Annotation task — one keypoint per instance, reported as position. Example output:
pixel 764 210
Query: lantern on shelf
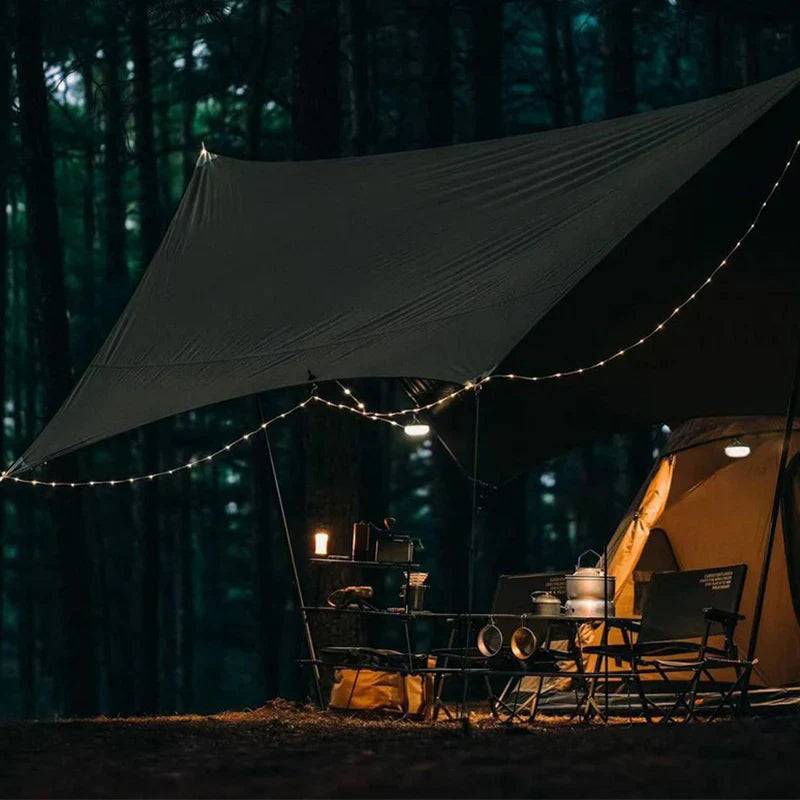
pixel 321 543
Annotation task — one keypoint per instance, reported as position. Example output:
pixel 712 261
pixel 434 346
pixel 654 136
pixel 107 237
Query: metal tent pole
pixel 472 532
pixel 605 617
pixel 474 519
pixel 295 575
pixel 776 503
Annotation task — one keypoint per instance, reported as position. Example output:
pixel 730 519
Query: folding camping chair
pixel 683 610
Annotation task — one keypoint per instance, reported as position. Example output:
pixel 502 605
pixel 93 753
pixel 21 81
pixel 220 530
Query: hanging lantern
pixel 735 449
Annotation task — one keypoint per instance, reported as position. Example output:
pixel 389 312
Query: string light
pixel 114 482
pixel 603 362
pixel 387 417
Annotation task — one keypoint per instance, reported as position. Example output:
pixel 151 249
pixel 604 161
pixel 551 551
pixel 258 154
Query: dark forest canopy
pixel 174 597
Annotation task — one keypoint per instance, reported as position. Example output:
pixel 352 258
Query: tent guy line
pixel 360 408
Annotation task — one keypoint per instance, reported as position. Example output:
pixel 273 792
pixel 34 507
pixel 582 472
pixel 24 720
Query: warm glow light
pixel 737 450
pixel 417 429
pixel 321 543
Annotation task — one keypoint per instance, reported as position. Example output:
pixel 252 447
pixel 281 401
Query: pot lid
pixel 544 597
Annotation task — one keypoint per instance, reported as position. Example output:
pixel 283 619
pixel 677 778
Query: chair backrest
pixel 675 601
pixel 513 595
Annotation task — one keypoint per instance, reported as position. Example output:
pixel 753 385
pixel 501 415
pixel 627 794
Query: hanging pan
pixel 523 641
pixel 490 639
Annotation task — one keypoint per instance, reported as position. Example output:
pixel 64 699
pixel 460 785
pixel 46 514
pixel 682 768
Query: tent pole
pixel 776 503
pixel 605 618
pixel 474 518
pixel 295 575
pixel 471 552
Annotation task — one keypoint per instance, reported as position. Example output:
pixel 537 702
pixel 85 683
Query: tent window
pixel 791 529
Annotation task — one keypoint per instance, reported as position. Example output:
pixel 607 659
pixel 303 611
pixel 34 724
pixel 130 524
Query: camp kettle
pixel 523 641
pixel 587 588
pixel 490 639
pixel 544 604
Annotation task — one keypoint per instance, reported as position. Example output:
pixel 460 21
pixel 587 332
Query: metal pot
pixel 523 641
pixel 545 604
pixel 414 597
pixel 588 583
pixel 490 639
pixel 588 608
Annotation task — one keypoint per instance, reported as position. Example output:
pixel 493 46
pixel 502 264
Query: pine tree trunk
pixel 571 64
pixel 269 588
pixel 187 613
pixel 47 260
pixel 111 672
pixel 331 447
pixel 189 107
pixel 714 52
pixel 360 134
pixel 487 23
pixel 752 57
pixel 263 26
pixel 113 120
pixel 268 585
pixel 26 640
pixel 211 590
pixel 169 611
pixel 437 73
pixel 332 483
pixel 89 215
pixel 620 58
pixel 553 52
pixel 151 577
pixel 315 101
pixel 149 208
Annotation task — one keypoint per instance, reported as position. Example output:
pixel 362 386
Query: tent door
pixel 657 556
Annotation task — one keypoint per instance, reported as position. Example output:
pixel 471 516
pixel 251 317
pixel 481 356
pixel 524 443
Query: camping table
pixel 586 705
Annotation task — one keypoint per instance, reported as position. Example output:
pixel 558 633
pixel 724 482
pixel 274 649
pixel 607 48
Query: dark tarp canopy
pixel 444 263
pixel 731 352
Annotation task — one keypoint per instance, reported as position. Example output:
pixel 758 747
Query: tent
pixel 712 511
pixel 445 263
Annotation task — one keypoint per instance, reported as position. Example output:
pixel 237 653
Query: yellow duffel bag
pixel 381 690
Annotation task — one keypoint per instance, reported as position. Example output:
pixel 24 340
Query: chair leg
pixel 741 683
pixel 643 699
pixel 493 701
pixel 536 698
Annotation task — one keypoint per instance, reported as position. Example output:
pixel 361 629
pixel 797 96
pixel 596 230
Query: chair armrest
pixel 622 623
pixel 718 615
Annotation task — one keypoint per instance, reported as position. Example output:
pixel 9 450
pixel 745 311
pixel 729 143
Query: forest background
pixel 175 595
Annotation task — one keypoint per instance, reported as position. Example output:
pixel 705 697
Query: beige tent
pixel 715 511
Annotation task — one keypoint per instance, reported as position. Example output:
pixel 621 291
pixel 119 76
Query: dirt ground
pixel 285 751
